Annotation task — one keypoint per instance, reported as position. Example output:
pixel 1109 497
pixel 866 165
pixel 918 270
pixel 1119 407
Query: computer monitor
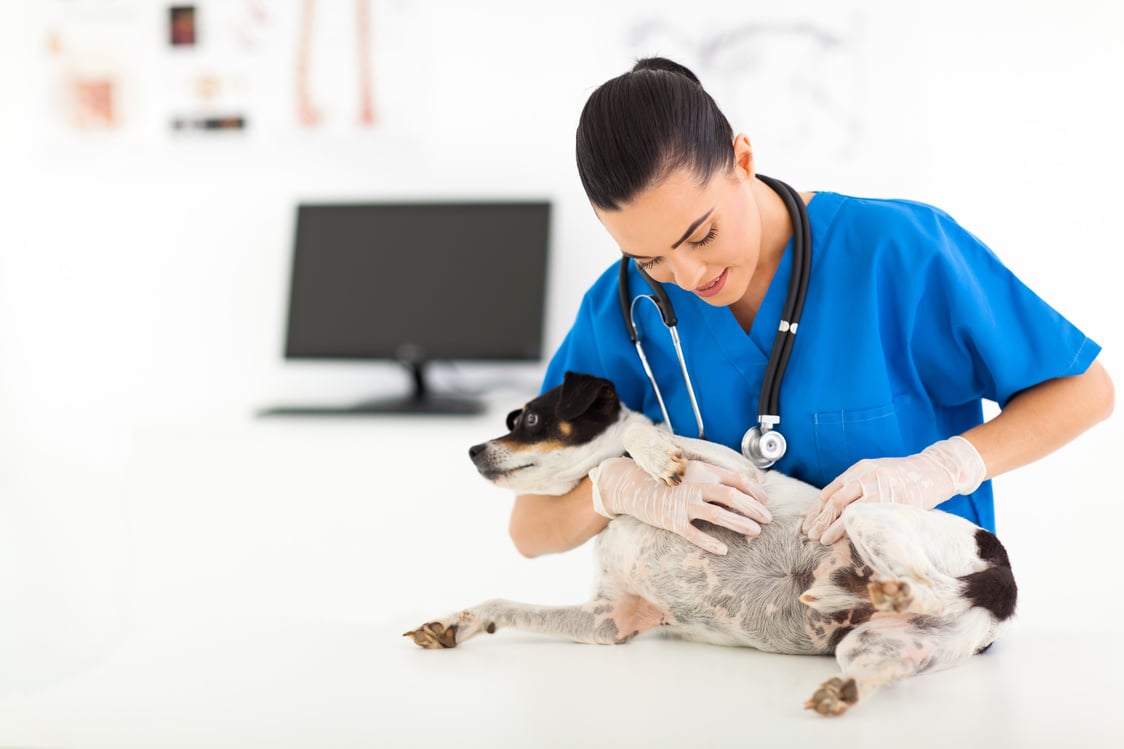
pixel 414 282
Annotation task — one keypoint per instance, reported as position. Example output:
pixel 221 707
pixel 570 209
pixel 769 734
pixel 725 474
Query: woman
pixel 910 322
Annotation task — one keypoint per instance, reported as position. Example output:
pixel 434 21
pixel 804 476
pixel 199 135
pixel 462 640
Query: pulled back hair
pixel 638 128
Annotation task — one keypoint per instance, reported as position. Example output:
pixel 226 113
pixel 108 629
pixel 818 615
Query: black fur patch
pixel 994 588
pixel 853 579
pixel 579 393
pixel 586 405
pixel 989 548
pixel 847 621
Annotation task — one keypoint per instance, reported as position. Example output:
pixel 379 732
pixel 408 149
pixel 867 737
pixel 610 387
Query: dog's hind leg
pixel 872 656
pixel 917 556
pixel 603 621
pixel 888 648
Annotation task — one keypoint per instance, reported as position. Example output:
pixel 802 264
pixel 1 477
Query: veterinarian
pixel 909 323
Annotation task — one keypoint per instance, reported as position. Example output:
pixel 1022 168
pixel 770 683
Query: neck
pixel 776 227
pixel 776 231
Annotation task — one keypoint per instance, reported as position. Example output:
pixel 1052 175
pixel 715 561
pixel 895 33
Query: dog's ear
pixel 580 392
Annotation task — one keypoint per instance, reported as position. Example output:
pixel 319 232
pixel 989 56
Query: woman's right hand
pixel 621 487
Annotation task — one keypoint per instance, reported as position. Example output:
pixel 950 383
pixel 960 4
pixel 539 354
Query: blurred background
pixel 152 155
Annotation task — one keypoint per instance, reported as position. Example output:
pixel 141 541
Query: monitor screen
pixel 414 282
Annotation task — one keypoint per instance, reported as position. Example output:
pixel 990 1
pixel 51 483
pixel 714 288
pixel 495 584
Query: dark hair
pixel 639 127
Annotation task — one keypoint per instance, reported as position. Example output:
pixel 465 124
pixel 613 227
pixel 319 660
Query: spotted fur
pixel 904 591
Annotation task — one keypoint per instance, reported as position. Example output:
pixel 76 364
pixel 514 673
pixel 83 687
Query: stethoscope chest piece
pixel 763 448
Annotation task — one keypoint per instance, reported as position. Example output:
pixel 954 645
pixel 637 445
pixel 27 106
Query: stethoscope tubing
pixel 673 329
pixel 769 401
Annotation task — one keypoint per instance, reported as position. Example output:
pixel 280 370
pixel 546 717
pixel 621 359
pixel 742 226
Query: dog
pixel 903 592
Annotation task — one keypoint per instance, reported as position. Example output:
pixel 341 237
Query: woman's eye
pixel 710 235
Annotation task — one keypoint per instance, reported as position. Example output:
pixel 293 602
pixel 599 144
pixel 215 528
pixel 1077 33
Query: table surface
pixel 249 585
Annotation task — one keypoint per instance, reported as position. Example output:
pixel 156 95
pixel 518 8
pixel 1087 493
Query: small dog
pixel 905 591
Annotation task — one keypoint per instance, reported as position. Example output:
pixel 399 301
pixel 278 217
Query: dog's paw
pixel 834 697
pixel 450 632
pixel 434 636
pixel 891 595
pixel 668 466
pixel 653 450
pixel 664 462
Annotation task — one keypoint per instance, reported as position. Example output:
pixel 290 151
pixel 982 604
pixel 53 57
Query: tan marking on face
pixel 566 428
pixel 544 446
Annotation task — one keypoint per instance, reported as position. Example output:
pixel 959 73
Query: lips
pixel 715 286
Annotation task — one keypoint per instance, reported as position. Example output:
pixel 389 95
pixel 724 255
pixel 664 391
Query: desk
pixel 263 572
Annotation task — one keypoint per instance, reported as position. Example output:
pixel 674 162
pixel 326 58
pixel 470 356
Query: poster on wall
pixel 93 84
pixel 210 87
pixel 813 65
pixel 259 68
pixel 310 108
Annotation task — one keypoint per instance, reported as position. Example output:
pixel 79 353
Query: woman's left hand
pixel 938 472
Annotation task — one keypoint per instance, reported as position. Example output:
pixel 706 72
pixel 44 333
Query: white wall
pixel 143 276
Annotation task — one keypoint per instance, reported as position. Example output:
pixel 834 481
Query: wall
pixel 143 276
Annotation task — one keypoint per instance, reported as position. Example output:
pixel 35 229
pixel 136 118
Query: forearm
pixel 543 524
pixel 1034 423
pixel 1042 418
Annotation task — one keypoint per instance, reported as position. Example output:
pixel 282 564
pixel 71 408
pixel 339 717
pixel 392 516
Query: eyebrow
pixel 690 230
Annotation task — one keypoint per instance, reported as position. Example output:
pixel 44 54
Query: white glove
pixel 938 472
pixel 621 487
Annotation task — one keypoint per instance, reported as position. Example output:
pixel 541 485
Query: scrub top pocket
pixel 845 437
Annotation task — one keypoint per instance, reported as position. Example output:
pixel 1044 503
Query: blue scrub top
pixel 910 322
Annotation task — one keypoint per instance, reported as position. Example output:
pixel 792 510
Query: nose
pixel 476 450
pixel 687 273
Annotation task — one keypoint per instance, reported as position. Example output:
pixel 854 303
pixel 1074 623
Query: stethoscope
pixel 763 444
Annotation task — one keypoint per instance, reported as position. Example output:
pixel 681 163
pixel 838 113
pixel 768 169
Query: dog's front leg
pixel 655 451
pixel 604 621
pixel 665 455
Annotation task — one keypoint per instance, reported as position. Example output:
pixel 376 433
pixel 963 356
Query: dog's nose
pixel 476 450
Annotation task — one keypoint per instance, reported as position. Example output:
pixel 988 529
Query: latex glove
pixel 938 472
pixel 621 487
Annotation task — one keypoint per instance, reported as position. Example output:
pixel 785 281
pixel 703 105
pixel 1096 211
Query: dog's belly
pixel 749 597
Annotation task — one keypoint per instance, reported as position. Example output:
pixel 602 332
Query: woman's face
pixel 704 239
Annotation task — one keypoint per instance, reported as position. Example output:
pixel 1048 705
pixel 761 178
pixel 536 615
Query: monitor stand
pixel 421 402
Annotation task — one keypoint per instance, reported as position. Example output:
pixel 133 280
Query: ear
pixel 579 392
pixel 743 157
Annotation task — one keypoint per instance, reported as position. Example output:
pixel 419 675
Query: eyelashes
pixel 710 237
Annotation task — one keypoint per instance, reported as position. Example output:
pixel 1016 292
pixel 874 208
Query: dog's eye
pixel 531 420
pixel 512 418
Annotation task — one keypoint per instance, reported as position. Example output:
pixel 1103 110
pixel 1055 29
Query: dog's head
pixel 556 439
